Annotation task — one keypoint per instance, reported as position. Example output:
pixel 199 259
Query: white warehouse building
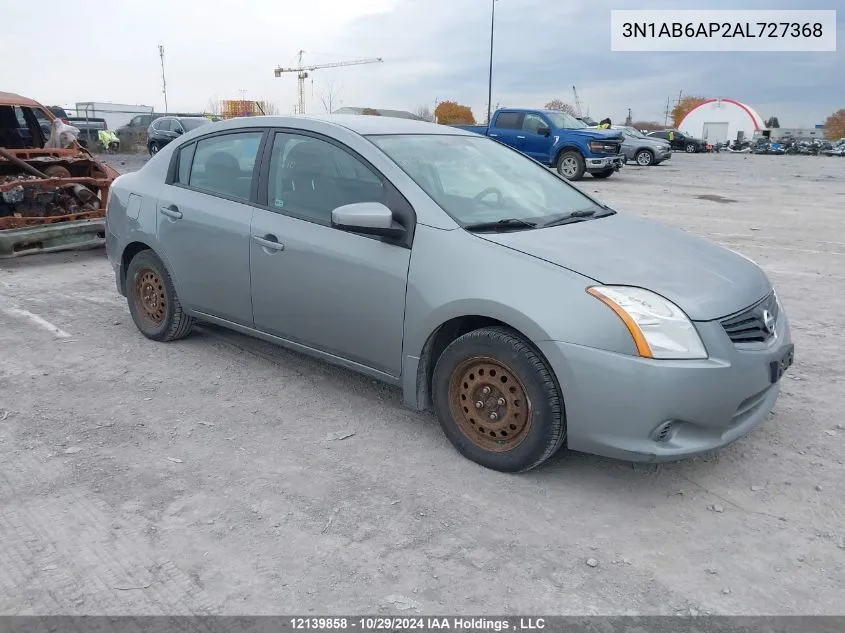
pixel 719 120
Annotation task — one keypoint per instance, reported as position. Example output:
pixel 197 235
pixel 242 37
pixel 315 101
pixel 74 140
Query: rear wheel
pixel 498 401
pixel 571 165
pixel 153 303
pixel 644 158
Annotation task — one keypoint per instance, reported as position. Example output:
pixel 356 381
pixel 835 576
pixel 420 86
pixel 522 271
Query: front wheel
pixel 153 304
pixel 690 148
pixel 644 158
pixel 571 165
pixel 154 148
pixel 498 401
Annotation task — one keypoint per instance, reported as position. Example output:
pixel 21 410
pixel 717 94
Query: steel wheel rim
pixel 568 166
pixel 644 159
pixel 149 296
pixel 489 404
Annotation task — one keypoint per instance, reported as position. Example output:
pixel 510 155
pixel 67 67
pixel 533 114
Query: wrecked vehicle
pixel 53 192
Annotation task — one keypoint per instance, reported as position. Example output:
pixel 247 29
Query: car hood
pixel 704 279
pixel 591 133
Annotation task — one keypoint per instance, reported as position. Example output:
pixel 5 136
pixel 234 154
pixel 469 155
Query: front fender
pixel 456 273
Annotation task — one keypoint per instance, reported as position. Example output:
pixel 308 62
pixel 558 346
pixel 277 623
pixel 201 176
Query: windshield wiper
pixel 581 215
pixel 504 224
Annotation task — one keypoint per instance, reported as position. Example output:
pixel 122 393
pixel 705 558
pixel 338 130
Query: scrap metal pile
pixel 47 189
pixel 28 196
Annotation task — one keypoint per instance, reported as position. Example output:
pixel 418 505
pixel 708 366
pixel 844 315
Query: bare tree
pixel 425 113
pixel 559 104
pixel 329 96
pixel 267 107
pixel 213 106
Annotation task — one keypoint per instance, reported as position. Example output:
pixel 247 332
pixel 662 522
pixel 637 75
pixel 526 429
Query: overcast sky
pixel 432 49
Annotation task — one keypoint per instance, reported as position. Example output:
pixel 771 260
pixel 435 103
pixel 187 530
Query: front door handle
pixel 520 137
pixel 171 211
pixel 270 242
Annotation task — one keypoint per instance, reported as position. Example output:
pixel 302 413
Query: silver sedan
pixel 526 313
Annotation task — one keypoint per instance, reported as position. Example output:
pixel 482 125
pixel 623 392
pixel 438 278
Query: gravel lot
pixel 202 476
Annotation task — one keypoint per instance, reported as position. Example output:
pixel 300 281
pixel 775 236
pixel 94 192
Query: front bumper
pixel 641 409
pixel 603 164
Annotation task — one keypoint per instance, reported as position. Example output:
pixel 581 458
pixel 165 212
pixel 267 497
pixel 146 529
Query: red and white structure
pixel 718 120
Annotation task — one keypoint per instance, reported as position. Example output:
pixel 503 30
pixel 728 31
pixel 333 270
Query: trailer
pixel 115 114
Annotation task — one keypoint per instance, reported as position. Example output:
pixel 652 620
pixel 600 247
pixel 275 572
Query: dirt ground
pixel 207 476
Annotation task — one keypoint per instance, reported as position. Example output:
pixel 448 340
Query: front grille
pixel 755 324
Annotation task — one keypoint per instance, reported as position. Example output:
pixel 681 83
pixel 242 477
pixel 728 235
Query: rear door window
pixel 509 121
pixel 225 164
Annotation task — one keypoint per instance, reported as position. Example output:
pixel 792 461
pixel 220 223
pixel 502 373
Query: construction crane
pixel 302 73
pixel 578 109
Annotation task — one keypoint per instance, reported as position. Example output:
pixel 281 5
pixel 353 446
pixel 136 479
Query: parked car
pixel 641 149
pixel 166 128
pixel 680 141
pixel 135 132
pixel 89 129
pixel 528 314
pixel 556 139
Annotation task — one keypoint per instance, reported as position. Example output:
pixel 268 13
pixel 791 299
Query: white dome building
pixel 719 120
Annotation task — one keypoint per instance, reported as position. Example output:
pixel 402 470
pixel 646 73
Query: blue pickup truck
pixel 556 139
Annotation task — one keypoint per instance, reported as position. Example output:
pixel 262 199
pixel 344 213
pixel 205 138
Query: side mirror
pixel 370 218
pixel 179 130
pixel 543 131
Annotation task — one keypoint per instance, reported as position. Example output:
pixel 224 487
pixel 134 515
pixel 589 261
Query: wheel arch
pixel 566 148
pixel 439 339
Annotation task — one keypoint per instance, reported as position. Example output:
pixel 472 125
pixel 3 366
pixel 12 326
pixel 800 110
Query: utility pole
pixel 490 73
pixel 680 94
pixel 666 112
pixel 163 80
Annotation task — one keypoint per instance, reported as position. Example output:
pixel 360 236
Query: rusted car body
pixel 50 198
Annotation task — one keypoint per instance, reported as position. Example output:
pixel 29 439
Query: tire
pixel 603 174
pixel 644 158
pixel 522 393
pixel 690 148
pixel 154 148
pixel 571 165
pixel 160 315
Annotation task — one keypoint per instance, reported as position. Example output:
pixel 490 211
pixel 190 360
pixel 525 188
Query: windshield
pixel 632 131
pixel 192 124
pixel 564 120
pixel 476 179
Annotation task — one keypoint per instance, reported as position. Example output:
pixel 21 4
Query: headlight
pixel 660 329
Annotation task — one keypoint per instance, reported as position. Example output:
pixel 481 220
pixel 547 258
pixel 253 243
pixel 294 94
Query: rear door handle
pixel 171 211
pixel 520 137
pixel 270 242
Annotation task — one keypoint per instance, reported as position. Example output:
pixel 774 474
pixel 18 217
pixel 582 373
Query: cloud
pixel 542 49
pixel 432 49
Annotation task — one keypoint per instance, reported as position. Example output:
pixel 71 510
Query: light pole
pixel 490 73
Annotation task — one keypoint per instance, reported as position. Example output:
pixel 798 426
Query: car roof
pixel 363 124
pixel 10 98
